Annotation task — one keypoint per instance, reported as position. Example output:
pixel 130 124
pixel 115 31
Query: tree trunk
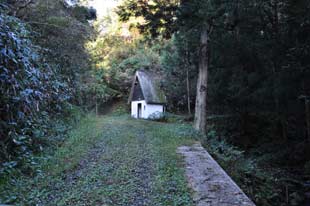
pixel 96 107
pixel 188 92
pixel 187 66
pixel 201 97
pixel 275 22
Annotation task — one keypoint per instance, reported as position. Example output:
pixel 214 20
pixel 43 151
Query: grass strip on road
pixel 112 160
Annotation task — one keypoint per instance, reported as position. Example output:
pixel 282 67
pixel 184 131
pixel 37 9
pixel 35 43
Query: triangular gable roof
pixel 150 86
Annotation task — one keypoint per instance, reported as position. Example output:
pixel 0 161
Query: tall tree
pixel 201 97
pixel 159 19
pixel 200 17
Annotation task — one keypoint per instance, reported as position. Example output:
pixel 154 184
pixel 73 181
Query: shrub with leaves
pixel 30 92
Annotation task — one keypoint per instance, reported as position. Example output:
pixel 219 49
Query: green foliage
pixel 30 91
pixel 257 70
pixel 83 13
pixel 176 61
pixel 97 92
pixel 259 66
pixel 158 15
pixel 142 58
pixel 58 21
pixel 120 110
pixel 253 173
pixel 42 58
pixel 63 35
pixel 116 57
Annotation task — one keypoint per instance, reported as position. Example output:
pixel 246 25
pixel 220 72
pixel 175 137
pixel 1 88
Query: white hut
pixel 146 98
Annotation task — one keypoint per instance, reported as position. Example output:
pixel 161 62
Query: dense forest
pixel 237 70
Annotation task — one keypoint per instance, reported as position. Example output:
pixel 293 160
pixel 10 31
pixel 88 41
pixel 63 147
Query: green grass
pixel 111 160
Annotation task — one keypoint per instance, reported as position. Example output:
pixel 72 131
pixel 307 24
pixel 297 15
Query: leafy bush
pixel 158 116
pixel 170 117
pixel 120 110
pixel 31 93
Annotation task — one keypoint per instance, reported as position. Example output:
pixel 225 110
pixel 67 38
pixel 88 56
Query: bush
pixel 31 93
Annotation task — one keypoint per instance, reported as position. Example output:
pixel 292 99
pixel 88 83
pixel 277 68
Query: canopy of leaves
pixel 117 52
pixel 159 16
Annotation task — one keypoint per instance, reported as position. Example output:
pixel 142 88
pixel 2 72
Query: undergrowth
pixel 264 183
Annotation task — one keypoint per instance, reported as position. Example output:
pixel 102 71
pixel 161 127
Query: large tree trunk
pixel 201 97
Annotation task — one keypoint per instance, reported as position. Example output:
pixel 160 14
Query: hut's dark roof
pixel 150 86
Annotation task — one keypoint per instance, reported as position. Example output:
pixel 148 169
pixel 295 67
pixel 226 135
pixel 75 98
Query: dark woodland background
pixel 54 65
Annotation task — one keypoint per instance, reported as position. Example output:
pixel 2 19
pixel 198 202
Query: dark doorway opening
pixel 139 110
